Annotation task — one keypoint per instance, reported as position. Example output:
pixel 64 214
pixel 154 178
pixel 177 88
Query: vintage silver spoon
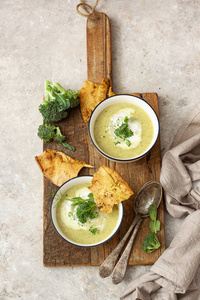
pixel 150 193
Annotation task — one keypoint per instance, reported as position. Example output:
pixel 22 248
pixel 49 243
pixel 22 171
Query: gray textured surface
pixel 156 48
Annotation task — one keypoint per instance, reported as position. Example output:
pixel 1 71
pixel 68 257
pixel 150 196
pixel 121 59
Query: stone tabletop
pixel 156 48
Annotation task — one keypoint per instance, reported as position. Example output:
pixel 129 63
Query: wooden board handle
pixel 99 58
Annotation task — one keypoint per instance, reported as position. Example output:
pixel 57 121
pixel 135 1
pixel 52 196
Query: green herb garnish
pixel 154 224
pixel 93 230
pixel 117 142
pixel 151 241
pixel 86 208
pixel 59 198
pixel 124 132
pixel 128 143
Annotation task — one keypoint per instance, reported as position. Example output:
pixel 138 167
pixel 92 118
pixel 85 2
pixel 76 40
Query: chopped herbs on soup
pixel 85 211
pixel 85 207
pixel 123 131
pixel 94 230
pixel 80 219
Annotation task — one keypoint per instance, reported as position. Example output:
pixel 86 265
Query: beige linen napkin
pixel 172 276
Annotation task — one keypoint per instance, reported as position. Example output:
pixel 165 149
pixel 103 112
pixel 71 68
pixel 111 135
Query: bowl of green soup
pixel 123 128
pixel 77 219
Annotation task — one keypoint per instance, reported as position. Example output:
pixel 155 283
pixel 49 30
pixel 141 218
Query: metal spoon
pixel 150 193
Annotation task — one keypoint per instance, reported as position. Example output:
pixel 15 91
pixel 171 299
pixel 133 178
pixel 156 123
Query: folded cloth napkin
pixel 172 276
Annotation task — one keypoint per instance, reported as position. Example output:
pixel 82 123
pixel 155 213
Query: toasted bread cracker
pixel 109 188
pixel 58 167
pixel 110 92
pixel 91 94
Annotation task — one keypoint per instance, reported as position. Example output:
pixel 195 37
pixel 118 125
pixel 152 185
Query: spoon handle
pixel 120 268
pixel 107 266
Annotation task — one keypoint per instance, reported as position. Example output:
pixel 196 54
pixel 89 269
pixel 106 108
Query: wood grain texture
pixel 57 252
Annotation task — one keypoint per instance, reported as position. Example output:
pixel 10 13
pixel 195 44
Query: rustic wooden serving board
pixel 57 252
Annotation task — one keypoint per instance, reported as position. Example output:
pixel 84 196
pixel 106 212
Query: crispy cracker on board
pixel 91 94
pixel 109 188
pixel 58 167
pixel 110 92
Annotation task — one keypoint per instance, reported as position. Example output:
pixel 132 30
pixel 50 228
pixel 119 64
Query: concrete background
pixel 156 48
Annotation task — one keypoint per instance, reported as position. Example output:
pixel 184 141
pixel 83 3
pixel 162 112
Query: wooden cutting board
pixel 56 251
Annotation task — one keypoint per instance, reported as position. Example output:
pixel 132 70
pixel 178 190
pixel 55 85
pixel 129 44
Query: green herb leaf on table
pixel 153 212
pixel 154 226
pixel 151 241
pixel 66 145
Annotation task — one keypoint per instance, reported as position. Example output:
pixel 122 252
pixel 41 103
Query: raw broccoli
pixel 151 243
pixel 51 132
pixel 46 132
pixel 56 102
pixel 58 135
pixel 52 112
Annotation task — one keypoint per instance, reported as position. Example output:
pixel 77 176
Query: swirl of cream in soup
pixel 116 121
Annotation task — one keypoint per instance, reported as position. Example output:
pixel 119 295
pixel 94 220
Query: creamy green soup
pixel 123 130
pixel 93 230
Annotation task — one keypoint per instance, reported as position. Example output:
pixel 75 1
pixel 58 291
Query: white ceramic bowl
pixel 68 184
pixel 118 99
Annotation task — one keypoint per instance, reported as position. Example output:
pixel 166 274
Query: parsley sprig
pixel 124 132
pixel 151 241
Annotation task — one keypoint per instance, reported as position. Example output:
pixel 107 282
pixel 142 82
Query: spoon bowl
pixel 150 193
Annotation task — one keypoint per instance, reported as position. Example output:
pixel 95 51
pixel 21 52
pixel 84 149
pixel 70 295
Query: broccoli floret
pixel 73 98
pixel 51 132
pixel 52 112
pixel 56 101
pixel 151 243
pixel 58 135
pixel 46 132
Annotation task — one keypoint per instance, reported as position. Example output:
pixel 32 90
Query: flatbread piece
pixel 58 167
pixel 91 94
pixel 110 92
pixel 109 188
